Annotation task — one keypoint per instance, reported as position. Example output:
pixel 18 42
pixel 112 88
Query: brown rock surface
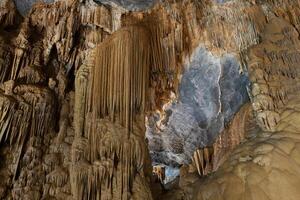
pixel 77 79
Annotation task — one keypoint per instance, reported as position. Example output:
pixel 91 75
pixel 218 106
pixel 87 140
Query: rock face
pixel 256 167
pixel 82 80
pixel 134 5
pixel 211 91
pixel 24 6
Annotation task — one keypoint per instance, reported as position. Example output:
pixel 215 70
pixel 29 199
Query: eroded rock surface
pixel 211 91
pixel 78 79
pixel 265 166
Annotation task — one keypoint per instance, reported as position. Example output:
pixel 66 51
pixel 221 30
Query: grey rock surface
pixel 133 5
pixel 24 6
pixel 211 91
pixel 222 1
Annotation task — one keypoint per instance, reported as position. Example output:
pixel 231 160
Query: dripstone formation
pixel 105 100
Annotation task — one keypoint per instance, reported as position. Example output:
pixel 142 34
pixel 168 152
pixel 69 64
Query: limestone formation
pixel 113 99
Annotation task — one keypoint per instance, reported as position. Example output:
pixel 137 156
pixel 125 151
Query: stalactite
pixel 119 88
pixel 15 120
pixel 32 74
pixel 203 160
pixel 242 126
pixel 159 173
pixel 5 61
pixel 208 159
pixel 114 155
pixel 114 97
pixel 134 69
pixel 8 13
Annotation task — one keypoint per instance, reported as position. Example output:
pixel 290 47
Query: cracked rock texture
pixel 211 91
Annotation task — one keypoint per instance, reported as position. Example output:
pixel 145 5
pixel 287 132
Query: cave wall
pixel 78 78
pixel 211 91
pixel 266 166
pixel 24 6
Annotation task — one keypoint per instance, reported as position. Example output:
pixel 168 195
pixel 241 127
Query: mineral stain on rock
pixel 211 91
